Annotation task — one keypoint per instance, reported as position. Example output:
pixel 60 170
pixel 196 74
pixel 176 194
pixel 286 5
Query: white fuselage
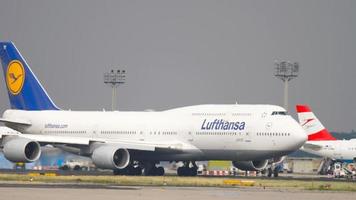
pixel 205 132
pixel 335 149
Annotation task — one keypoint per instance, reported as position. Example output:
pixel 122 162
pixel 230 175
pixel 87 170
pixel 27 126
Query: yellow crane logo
pixel 15 77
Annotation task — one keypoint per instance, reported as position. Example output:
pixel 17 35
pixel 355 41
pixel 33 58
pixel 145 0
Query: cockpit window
pixel 279 113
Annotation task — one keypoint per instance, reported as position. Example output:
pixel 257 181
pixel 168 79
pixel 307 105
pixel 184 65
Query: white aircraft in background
pixel 132 142
pixel 321 142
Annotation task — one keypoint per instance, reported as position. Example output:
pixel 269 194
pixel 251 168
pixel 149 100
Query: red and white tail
pixel 312 125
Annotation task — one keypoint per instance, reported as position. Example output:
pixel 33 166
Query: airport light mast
pixel 286 71
pixel 114 79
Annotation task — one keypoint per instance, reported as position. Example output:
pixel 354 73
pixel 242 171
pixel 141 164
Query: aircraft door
pixel 95 132
pixel 190 136
pixel 141 135
pixel 268 127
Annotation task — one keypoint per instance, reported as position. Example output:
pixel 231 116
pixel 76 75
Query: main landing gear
pixel 150 169
pixel 187 170
pixel 131 170
pixel 273 171
pixel 136 169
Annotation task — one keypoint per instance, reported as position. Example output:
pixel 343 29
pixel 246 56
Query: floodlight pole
pixel 286 95
pixel 286 71
pixel 114 79
pixel 113 98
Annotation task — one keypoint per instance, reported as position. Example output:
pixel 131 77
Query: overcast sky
pixel 179 53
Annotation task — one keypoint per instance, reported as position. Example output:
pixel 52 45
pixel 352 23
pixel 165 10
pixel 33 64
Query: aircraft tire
pixel 269 174
pixel 193 171
pixel 185 171
pixel 159 171
pixel 181 171
pixel 275 173
pixel 137 171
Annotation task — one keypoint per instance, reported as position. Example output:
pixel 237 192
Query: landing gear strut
pixel 186 170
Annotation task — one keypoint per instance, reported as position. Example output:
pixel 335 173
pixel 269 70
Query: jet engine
pixel 256 165
pixel 110 157
pixel 21 150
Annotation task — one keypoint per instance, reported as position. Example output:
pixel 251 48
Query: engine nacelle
pixel 110 157
pixel 256 165
pixel 21 150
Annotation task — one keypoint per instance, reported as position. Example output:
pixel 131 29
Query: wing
pixel 170 146
pixel 15 121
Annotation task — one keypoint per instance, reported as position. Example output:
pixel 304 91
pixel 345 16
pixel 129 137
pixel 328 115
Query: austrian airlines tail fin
pixel 312 125
pixel 24 89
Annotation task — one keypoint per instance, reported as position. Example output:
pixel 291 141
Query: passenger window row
pixel 163 133
pixel 218 133
pixel 65 132
pixel 119 132
pixel 208 114
pixel 273 134
pixel 241 114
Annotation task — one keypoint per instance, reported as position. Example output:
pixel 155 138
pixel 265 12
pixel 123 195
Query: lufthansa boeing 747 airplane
pixel 133 143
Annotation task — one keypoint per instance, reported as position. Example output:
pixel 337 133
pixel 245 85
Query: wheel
pixel 150 172
pixel 76 168
pixel 137 171
pixel 130 171
pixel 193 171
pixel 181 171
pixel 148 168
pixel 65 167
pixel 275 172
pixel 269 172
pixel 159 171
pixel 185 171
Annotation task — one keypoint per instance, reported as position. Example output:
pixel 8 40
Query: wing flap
pixel 149 146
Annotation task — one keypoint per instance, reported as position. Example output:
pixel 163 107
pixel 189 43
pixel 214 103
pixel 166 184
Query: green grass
pixel 178 181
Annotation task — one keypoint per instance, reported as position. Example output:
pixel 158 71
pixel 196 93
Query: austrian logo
pixel 15 77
